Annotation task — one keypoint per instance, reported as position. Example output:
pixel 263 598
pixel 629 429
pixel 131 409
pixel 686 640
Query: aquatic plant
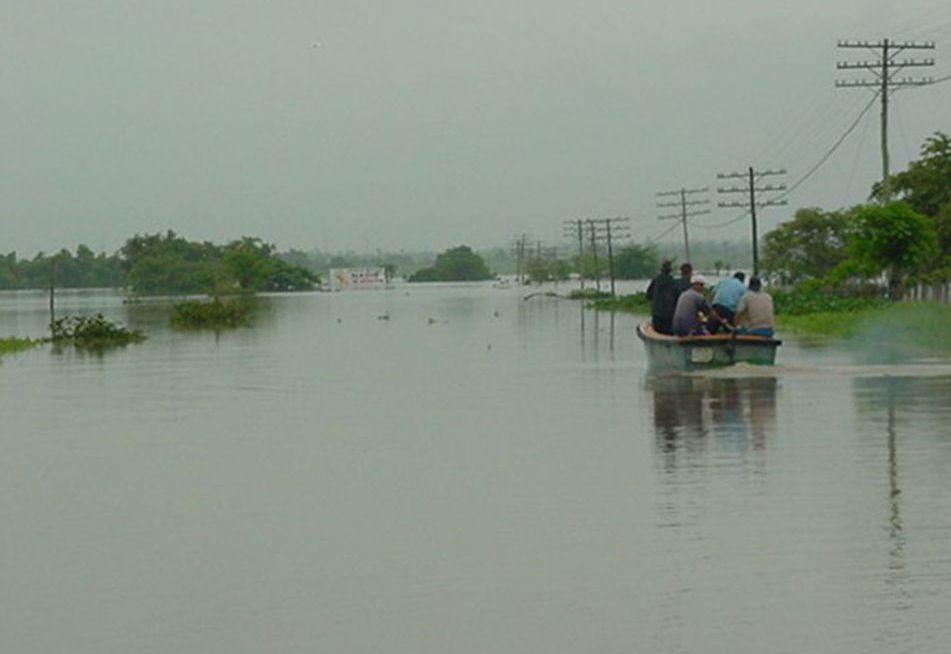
pixel 14 344
pixel 214 313
pixel 588 294
pixel 93 332
pixel 634 303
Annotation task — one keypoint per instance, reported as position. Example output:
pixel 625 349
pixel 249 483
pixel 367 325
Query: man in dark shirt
pixel 662 294
pixel 686 272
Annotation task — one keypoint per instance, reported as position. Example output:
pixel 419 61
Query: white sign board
pixel 346 279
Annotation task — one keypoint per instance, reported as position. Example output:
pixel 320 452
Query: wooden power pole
pixel 884 81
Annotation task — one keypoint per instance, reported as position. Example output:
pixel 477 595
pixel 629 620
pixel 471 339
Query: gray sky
pixel 428 123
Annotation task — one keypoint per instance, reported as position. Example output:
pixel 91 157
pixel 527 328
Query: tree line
pixel 154 264
pixel 904 242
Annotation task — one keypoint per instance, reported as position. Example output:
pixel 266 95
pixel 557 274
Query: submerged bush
pixel 804 300
pixel 588 294
pixel 93 332
pixel 14 344
pixel 634 303
pixel 214 313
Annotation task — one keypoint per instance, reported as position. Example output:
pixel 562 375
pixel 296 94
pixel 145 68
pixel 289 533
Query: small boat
pixel 710 351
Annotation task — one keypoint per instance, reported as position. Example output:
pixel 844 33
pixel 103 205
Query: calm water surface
pixel 477 473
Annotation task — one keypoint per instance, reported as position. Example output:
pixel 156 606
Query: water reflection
pixel 594 317
pixel 736 414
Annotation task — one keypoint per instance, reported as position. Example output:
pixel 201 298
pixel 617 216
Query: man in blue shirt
pixel 726 295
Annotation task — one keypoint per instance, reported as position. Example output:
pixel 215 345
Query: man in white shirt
pixel 754 312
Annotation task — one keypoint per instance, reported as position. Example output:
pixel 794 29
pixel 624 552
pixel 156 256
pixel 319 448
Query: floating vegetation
pixel 634 303
pixel 14 344
pixel 93 332
pixel 588 294
pixel 213 314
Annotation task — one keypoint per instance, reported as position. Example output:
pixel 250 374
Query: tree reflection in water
pixel 689 411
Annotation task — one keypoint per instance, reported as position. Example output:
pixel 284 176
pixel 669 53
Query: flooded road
pixel 455 469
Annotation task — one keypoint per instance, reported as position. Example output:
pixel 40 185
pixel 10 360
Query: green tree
pixel 810 245
pixel 636 262
pixel 541 270
pixel 926 183
pixel 459 264
pixel 893 239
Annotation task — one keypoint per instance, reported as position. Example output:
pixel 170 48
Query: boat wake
pixel 940 368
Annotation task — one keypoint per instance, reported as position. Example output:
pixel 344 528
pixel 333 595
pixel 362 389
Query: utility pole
pixel 752 176
pixel 594 254
pixel 575 228
pixel 518 251
pixel 605 229
pixel 684 214
pixel 884 80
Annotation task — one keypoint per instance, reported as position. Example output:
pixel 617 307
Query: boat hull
pixel 693 352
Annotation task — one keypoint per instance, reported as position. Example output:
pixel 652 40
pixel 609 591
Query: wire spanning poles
pixel 683 204
pixel 752 188
pixel 885 69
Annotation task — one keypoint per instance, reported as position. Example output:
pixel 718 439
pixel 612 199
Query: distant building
pixel 347 279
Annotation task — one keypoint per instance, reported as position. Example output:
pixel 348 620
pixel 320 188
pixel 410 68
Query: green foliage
pixel 636 262
pixel 919 326
pixel 547 270
pixel 14 344
pixel 215 314
pixel 634 303
pixel 926 183
pixel 810 299
pixel 588 294
pixel 169 264
pixel 459 264
pixel 81 270
pixel 811 245
pixel 894 239
pixel 93 332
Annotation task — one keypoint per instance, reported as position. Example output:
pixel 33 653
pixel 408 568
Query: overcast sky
pixel 423 124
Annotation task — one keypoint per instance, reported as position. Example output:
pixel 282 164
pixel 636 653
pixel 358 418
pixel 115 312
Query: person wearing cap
pixel 726 295
pixel 690 305
pixel 754 312
pixel 662 294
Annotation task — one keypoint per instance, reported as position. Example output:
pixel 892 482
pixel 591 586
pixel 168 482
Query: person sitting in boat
pixel 691 305
pixel 662 294
pixel 726 295
pixel 754 312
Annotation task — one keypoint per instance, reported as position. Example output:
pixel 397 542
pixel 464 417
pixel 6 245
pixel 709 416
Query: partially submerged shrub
pixel 214 313
pixel 588 294
pixel 634 303
pixel 93 332
pixel 14 344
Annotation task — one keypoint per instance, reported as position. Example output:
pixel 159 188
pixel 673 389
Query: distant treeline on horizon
pixel 84 268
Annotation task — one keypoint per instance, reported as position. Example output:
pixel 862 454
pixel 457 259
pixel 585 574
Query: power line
pixel 835 146
pixel 884 70
pixel 682 204
pixel 752 176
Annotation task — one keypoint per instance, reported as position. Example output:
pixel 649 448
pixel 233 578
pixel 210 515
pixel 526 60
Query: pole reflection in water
pixel 594 331
pixel 736 413
pixel 874 394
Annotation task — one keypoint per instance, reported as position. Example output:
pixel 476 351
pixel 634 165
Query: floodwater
pixel 455 469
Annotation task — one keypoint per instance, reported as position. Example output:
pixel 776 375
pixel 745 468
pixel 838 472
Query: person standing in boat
pixel 726 295
pixel 690 306
pixel 662 294
pixel 754 312
pixel 686 272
